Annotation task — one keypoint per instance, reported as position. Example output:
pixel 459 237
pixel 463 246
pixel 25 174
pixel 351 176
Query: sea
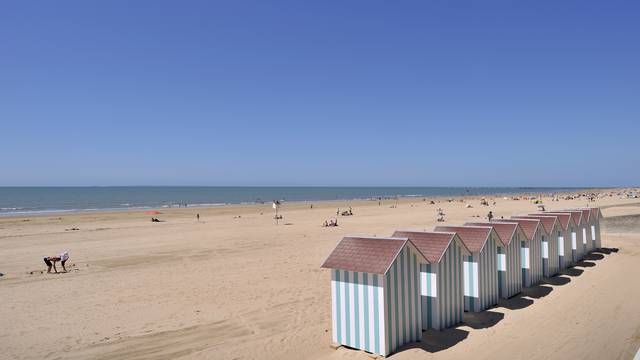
pixel 42 200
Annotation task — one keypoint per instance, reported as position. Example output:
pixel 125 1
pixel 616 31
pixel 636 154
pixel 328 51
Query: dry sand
pixel 244 288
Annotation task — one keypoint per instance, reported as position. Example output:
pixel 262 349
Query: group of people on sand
pixel 330 223
pixel 51 261
pixel 345 213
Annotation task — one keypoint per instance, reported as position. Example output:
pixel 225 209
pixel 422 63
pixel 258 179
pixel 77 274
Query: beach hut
pixel 481 267
pixel 594 228
pixel 375 293
pixel 530 250
pixel 564 237
pixel 588 232
pixel 550 259
pixel 441 280
pixel 509 265
pixel 596 214
pixel 575 231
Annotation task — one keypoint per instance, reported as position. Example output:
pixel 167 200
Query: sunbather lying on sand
pixel 52 260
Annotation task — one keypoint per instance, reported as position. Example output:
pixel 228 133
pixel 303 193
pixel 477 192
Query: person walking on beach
pixel 490 215
pixel 51 261
pixel 198 217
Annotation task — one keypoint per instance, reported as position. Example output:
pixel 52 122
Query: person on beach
pixel 490 215
pixel 51 261
pixel 198 217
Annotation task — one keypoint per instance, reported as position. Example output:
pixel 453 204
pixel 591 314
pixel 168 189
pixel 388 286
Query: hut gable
pixel 505 231
pixel 563 218
pixel 586 214
pixel 576 215
pixel 528 226
pixel 432 244
pixel 548 222
pixel 473 237
pixel 365 254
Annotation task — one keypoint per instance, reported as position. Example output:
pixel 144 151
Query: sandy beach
pixel 235 285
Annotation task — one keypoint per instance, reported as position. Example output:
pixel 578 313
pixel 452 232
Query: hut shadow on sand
pixel 557 280
pixel 515 303
pixel 606 251
pixel 593 257
pixel 585 264
pixel 537 292
pixel 434 341
pixel 482 320
pixel 572 272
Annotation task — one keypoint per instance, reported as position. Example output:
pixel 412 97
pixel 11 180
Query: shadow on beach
pixel 515 303
pixel 434 341
pixel 537 291
pixel 585 264
pixel 572 272
pixel 557 280
pixel 482 320
pixel 593 257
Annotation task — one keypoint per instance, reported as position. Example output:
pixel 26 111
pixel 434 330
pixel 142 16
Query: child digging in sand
pixel 51 261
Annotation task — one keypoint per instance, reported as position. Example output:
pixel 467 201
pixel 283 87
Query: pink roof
pixel 563 218
pixel 547 221
pixel 432 244
pixel 473 237
pixel 365 254
pixel 576 215
pixel 529 226
pixel 586 214
pixel 506 231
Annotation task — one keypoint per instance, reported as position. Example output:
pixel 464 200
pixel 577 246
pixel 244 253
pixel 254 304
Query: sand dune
pixel 232 287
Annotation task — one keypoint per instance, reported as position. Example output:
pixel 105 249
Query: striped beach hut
pixel 564 237
pixel 375 293
pixel 588 230
pixel 441 290
pixel 594 228
pixel 481 267
pixel 575 232
pixel 530 250
pixel 509 264
pixel 550 259
pixel 596 215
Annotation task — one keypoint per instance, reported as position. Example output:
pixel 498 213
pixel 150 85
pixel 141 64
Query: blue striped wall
pixel 510 268
pixel 442 290
pixel 550 259
pixel 358 310
pixel 403 307
pixel 535 257
pixel 481 287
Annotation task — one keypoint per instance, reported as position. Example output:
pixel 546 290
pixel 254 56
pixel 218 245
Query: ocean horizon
pixel 62 199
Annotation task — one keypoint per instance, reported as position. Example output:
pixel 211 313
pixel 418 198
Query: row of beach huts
pixel 386 291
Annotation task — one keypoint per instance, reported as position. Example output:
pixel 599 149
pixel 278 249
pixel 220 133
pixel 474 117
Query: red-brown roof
pixel 563 218
pixel 597 213
pixel 506 231
pixel 576 215
pixel 431 244
pixel 547 221
pixel 365 254
pixel 586 214
pixel 473 237
pixel 529 226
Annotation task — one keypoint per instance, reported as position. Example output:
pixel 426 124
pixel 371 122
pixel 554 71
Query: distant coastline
pixel 20 201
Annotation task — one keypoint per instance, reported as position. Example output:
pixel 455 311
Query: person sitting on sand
pixel 51 262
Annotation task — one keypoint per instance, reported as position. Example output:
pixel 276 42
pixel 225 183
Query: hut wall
pixel 509 269
pixel 403 310
pixel 358 310
pixel 481 278
pixel 442 290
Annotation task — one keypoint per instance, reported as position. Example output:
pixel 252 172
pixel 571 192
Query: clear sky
pixel 482 93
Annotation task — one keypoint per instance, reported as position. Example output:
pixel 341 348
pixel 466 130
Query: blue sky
pixel 506 93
